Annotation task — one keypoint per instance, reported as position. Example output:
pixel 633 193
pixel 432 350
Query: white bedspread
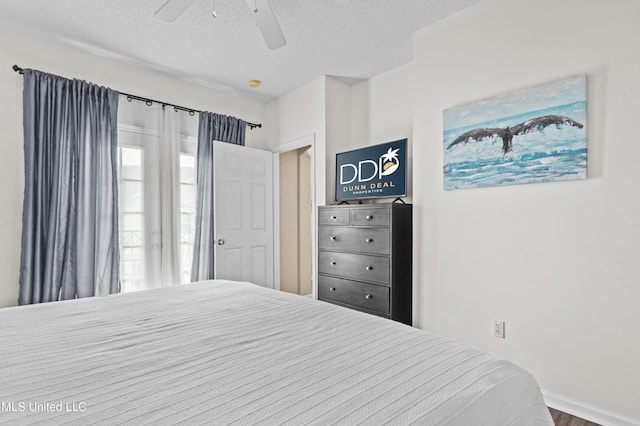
pixel 223 352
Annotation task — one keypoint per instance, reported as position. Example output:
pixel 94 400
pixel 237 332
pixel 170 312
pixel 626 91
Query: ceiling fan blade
pixel 169 11
pixel 267 23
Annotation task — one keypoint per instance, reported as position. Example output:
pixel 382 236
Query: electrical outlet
pixel 498 329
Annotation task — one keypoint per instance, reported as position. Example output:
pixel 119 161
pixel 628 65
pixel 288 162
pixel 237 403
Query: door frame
pixel 308 140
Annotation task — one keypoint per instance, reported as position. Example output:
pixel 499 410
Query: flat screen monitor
pixel 378 171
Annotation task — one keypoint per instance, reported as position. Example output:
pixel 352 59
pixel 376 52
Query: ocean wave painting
pixel 534 135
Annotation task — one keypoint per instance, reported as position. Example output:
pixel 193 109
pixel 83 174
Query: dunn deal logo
pixel 386 165
pixel 376 171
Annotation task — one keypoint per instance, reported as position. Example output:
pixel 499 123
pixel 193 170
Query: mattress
pixel 231 353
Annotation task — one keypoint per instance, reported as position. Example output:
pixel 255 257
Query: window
pixel 146 253
pixel 131 218
pixel 187 214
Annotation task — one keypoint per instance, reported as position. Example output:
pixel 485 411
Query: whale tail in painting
pixel 506 134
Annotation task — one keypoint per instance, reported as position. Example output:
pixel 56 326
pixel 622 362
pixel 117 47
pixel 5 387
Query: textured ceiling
pixel 349 39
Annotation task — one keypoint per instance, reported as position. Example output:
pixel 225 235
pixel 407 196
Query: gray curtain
pixel 212 127
pixel 70 216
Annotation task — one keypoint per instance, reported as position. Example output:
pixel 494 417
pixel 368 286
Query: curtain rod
pixel 149 102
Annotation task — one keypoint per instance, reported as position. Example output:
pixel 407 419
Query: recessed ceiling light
pixel 254 83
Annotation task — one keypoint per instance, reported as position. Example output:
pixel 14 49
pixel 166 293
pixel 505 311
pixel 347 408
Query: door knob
pixel 221 242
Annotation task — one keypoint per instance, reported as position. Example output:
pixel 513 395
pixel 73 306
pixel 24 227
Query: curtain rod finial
pixel 17 69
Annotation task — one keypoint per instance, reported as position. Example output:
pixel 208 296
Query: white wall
pixel 382 111
pixel 559 262
pixel 32 52
pixel 11 177
pixel 338 129
pixel 382 107
pixel 299 114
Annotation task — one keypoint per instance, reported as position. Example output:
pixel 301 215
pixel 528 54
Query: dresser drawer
pixel 366 296
pixel 361 240
pixel 333 216
pixel 370 217
pixel 355 266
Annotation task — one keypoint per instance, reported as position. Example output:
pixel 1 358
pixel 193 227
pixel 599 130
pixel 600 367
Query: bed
pixel 222 352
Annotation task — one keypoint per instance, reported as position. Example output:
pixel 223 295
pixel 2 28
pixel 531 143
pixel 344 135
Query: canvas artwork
pixel 534 135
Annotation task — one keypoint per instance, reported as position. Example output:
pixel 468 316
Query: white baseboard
pixel 584 411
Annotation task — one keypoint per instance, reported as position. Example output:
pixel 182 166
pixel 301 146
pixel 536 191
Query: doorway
pixel 295 221
pixel 294 208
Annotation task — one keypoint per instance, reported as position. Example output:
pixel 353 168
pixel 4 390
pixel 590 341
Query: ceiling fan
pixel 265 19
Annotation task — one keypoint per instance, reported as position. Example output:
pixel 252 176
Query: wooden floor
pixel 564 419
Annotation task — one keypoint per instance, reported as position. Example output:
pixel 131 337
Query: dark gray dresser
pixel 364 258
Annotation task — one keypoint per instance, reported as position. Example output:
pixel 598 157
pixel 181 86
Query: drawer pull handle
pixel 369 217
pixel 332 263
pixel 334 217
pixel 333 238
pixel 368 296
pixel 332 289
pixel 369 268
pixel 369 240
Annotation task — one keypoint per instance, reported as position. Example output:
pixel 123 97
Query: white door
pixel 243 218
